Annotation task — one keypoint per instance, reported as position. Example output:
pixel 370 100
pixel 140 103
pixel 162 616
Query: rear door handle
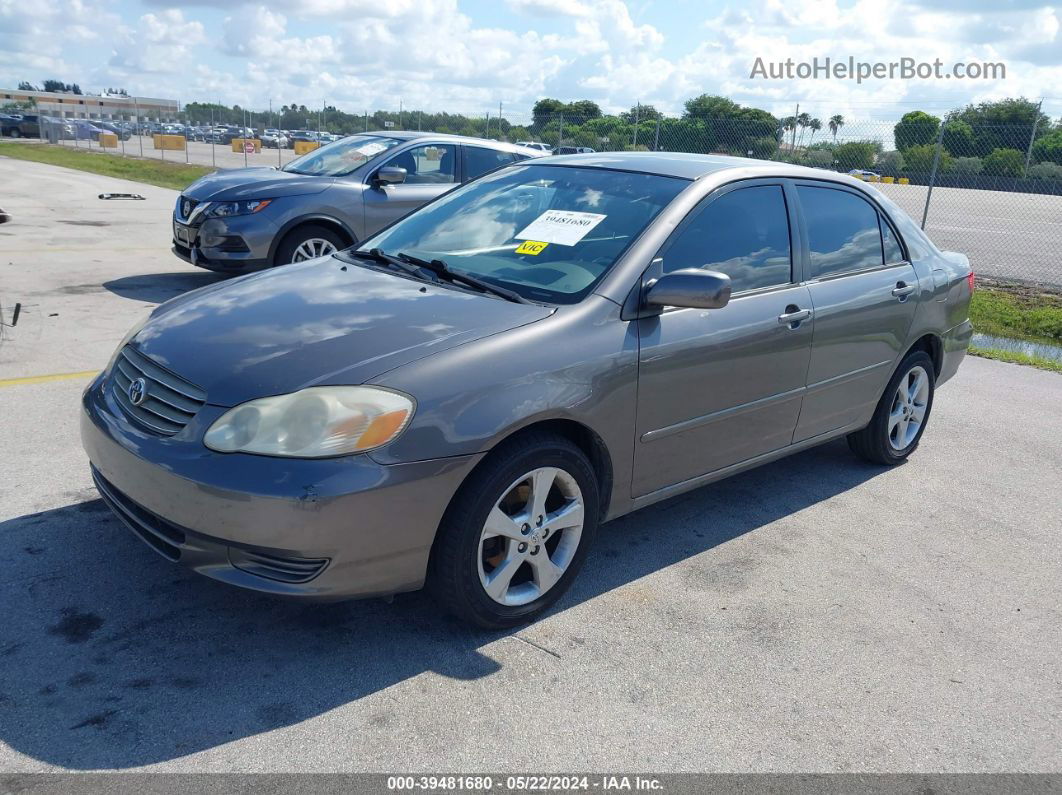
pixel 902 290
pixel 794 317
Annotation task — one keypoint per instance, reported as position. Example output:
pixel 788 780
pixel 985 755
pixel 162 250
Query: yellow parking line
pixel 40 379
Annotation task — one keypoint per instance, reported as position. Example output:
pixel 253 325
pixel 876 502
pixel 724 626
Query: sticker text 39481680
pixel 563 227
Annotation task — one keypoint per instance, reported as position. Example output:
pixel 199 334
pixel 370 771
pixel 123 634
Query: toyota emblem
pixel 137 391
pixel 186 208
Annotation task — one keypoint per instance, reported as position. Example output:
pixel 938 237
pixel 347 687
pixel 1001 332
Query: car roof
pixel 687 166
pixel 412 135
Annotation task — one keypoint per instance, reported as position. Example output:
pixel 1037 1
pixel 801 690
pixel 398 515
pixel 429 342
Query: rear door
pixel 864 294
pixel 431 170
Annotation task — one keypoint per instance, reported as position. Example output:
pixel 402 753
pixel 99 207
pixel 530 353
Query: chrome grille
pixel 168 403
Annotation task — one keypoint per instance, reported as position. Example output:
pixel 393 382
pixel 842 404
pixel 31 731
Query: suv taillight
pixel 971 280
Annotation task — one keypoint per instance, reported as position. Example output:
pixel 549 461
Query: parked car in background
pixel 248 219
pixel 303 135
pixel 8 124
pixel 573 150
pixel 122 132
pixel 536 145
pixel 85 130
pixel 274 139
pixel 462 398
pixel 861 174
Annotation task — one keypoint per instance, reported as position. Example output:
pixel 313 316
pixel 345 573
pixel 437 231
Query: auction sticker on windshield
pixel 563 227
pixel 531 247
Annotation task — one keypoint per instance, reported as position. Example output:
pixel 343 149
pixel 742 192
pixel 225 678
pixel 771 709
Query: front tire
pixel 516 534
pixel 308 242
pixel 901 415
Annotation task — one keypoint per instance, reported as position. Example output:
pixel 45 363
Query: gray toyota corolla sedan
pixel 464 397
pixel 247 219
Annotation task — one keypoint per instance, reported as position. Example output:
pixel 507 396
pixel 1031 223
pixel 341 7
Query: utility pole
pixel 637 108
pixel 1032 137
pixel 400 114
pixel 796 115
pixel 139 131
pixel 499 120
pixel 933 175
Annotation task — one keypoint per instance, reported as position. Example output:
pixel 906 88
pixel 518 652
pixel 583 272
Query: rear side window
pixel 893 252
pixel 479 160
pixel 743 233
pixel 843 231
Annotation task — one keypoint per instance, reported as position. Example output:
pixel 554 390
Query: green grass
pixel 152 172
pixel 1016 358
pixel 1021 313
pixel 1018 312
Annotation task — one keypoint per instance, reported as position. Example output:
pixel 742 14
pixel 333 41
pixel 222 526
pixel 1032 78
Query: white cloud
pixel 432 54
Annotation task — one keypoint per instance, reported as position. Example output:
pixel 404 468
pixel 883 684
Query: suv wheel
pixel 901 415
pixel 308 242
pixel 516 535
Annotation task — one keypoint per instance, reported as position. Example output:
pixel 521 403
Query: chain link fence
pixel 993 192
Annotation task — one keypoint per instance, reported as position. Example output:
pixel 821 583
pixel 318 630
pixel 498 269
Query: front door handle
pixel 793 317
pixel 902 290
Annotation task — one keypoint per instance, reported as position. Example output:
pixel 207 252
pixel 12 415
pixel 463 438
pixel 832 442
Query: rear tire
pixel 303 241
pixel 495 563
pixel 901 415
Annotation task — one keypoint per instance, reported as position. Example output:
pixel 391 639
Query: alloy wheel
pixel 908 410
pixel 313 248
pixel 531 536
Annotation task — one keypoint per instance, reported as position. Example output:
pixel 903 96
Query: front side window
pixel 479 160
pixel 549 233
pixel 843 232
pixel 340 157
pixel 432 164
pixel 743 233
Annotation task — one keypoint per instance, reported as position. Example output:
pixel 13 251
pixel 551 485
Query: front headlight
pixel 227 209
pixel 316 422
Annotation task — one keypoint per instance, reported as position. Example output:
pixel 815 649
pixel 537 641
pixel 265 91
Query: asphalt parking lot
pixel 819 614
pixel 1006 235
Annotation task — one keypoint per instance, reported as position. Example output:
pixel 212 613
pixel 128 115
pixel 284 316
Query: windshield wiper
pixel 440 268
pixel 377 255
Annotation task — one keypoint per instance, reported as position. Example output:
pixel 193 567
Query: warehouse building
pixel 89 106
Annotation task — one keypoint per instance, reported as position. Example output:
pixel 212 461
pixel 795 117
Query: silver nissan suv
pixel 239 220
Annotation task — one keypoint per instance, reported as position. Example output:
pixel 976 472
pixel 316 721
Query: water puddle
pixel 1042 349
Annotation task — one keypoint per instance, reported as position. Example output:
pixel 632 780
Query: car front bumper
pixel 238 244
pixel 311 528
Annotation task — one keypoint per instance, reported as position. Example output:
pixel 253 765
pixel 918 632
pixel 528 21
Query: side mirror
pixel 690 287
pixel 390 175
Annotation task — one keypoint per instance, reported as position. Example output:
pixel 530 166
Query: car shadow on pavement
pixel 110 657
pixel 154 288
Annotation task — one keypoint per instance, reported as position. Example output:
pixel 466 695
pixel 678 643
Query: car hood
pixel 318 322
pixel 235 184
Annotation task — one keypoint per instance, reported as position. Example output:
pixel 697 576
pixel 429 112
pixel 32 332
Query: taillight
pixel 971 280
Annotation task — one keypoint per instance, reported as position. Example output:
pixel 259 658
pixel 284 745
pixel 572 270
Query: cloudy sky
pixel 469 55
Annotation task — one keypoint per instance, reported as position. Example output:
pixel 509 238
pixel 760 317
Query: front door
pixel 431 170
pixel 864 294
pixel 718 387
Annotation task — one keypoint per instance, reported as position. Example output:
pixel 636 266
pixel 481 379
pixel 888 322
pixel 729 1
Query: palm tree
pixel 803 120
pixel 814 125
pixel 836 123
pixel 788 123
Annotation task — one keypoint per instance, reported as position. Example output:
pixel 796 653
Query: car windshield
pixel 341 157
pixel 548 233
